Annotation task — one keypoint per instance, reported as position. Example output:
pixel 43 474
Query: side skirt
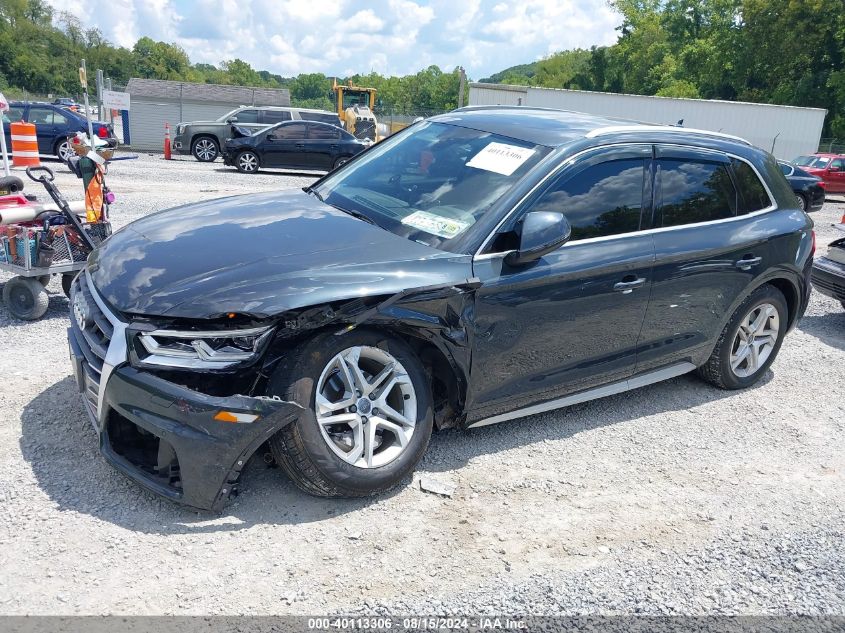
pixel 634 382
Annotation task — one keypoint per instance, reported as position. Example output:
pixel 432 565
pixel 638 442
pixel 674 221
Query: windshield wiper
pixel 356 214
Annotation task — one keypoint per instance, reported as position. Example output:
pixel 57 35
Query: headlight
pixel 209 349
pixel 180 129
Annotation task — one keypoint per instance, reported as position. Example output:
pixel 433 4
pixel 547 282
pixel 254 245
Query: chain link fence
pixel 832 145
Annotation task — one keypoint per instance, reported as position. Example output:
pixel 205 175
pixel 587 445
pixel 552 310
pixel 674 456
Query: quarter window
pixel 752 192
pixel 694 191
pixel 604 199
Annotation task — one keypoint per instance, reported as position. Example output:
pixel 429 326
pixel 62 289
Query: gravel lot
pixel 676 498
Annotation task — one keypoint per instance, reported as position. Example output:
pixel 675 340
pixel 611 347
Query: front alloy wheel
pixel 366 407
pixel 366 413
pixel 205 150
pixel 247 162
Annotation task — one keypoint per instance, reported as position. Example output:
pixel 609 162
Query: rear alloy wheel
pixel 64 151
pixel 802 201
pixel 205 150
pixel 247 162
pixel 750 341
pixel 368 416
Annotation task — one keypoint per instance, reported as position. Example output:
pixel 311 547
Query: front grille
pixel 94 336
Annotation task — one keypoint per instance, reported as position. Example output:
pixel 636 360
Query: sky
pixel 344 37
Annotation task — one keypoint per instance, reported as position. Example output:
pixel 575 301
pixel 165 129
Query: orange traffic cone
pixel 167 141
pixel 24 145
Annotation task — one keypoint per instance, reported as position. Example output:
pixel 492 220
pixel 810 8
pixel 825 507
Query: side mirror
pixel 232 119
pixel 541 232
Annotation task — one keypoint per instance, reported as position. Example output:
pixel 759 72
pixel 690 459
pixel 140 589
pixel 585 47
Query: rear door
pixel 13 115
pixel 710 244
pixel 285 146
pixel 323 145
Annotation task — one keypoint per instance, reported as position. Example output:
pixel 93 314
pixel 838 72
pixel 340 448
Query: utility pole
pixel 461 87
pixel 100 94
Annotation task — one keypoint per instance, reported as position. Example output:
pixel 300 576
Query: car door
pixel 284 146
pixel 835 176
pixel 45 128
pixel 14 114
pixel 570 320
pixel 709 247
pixel 323 145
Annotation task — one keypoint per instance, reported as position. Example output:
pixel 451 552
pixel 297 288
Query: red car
pixel 829 167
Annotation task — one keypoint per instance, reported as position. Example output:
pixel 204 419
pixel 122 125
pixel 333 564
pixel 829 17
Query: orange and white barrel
pixel 24 145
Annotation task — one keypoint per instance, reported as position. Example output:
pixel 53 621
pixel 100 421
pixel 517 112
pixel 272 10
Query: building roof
pixel 236 95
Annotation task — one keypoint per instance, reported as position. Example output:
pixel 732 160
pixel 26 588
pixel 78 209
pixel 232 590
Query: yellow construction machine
pixel 355 108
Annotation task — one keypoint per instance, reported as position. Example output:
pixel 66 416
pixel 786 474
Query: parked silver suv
pixel 204 139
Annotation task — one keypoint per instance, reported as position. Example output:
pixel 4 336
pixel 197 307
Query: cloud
pixel 341 37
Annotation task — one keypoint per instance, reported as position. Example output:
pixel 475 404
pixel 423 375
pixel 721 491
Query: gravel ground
pixel 676 498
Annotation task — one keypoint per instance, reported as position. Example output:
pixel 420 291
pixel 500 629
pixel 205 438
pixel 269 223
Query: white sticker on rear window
pixel 500 158
pixel 435 224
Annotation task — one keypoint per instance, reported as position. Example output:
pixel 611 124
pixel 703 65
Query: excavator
pixel 355 108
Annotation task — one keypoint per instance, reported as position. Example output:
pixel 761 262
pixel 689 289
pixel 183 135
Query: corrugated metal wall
pixel 481 94
pixel 790 131
pixel 148 116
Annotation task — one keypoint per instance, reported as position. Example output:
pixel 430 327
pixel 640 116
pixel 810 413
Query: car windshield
pixel 804 161
pixel 432 182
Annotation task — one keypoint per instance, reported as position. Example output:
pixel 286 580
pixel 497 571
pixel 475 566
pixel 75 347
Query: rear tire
pixel 64 151
pixel 25 298
pixel 340 161
pixel 67 282
pixel 349 458
pixel 750 341
pixel 802 202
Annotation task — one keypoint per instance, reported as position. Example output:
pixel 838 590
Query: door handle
pixel 627 287
pixel 747 262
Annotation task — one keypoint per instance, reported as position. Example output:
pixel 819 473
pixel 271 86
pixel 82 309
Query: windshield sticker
pixel 501 158
pixel 435 224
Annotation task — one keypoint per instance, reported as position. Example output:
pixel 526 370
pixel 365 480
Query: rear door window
pixel 692 191
pixel 41 116
pixel 271 117
pixel 323 132
pixel 14 114
pixel 603 199
pixel 289 132
pixel 752 193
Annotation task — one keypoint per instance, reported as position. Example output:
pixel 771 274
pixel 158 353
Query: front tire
pixel 367 414
pixel 247 162
pixel 750 341
pixel 205 149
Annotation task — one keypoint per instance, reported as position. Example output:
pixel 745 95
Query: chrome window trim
pixel 479 256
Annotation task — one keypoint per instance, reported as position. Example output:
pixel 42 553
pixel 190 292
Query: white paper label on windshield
pixel 435 224
pixel 501 158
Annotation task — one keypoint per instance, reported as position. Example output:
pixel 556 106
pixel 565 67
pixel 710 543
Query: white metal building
pixel 156 102
pixel 786 131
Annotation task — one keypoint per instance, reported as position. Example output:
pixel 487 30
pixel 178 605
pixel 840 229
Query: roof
pixel 553 128
pixel 235 95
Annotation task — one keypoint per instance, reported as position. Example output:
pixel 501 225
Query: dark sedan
pixel 292 144
pixel 829 271
pixel 809 189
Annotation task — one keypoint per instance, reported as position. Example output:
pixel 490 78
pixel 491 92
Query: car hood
pixel 260 255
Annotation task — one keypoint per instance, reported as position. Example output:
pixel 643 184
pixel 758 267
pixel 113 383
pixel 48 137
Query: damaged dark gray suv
pixel 480 266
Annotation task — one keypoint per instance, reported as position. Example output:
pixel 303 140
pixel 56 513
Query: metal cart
pixel 24 295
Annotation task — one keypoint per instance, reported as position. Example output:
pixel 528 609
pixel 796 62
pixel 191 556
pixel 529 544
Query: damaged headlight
pixel 209 349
